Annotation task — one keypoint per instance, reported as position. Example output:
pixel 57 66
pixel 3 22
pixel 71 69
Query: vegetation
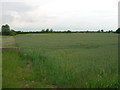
pixel 16 71
pixel 72 60
pixel 6 30
pixel 66 31
pixel 76 60
pixel 118 30
pixel 0 64
pixel 0 70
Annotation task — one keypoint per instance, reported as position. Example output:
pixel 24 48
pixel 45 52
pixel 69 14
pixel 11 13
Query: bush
pixel 12 33
pixel 6 30
pixel 118 30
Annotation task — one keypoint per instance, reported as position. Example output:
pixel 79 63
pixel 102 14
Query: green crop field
pixel 72 60
pixel 0 63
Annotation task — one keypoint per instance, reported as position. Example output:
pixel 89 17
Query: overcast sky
pixel 60 14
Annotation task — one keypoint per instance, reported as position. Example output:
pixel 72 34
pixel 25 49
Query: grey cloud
pixel 42 19
pixel 26 16
pixel 16 6
pixel 19 7
pixel 7 18
pixel 119 14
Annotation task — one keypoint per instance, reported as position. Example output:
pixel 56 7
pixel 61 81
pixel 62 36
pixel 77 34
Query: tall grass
pixel 16 74
pixel 0 63
pixel 72 60
pixel 8 41
pixel 0 69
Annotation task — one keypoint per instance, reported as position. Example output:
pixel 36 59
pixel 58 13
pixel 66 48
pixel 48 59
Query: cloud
pixel 14 13
pixel 119 14
pixel 16 6
pixel 61 14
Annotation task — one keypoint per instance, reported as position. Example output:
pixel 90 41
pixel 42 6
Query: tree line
pixel 5 30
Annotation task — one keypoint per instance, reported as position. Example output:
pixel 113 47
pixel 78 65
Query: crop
pixel 72 60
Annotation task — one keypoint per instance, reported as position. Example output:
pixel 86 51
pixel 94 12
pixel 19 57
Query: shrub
pixel 118 30
pixel 6 30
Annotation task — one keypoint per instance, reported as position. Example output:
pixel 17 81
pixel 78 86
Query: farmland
pixel 72 60
pixel 0 69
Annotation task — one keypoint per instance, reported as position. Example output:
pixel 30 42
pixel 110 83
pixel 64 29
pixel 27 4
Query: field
pixel 73 60
pixel 0 63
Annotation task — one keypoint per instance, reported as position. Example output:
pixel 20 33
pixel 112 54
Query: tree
pixel 98 31
pixel 68 31
pixel 43 30
pixel 47 30
pixel 6 30
pixel 51 30
pixel 118 30
pixel 12 33
pixel 102 30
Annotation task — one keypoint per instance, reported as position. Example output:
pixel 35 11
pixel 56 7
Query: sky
pixel 30 15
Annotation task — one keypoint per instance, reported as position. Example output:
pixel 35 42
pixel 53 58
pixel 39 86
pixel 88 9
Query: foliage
pixel 72 60
pixel 102 30
pixel 118 30
pixel 65 31
pixel 15 73
pixel 6 30
pixel 12 32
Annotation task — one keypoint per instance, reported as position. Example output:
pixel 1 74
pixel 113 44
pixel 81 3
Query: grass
pixel 12 66
pixel 8 41
pixel 0 64
pixel 0 69
pixel 15 70
pixel 61 60
pixel 71 60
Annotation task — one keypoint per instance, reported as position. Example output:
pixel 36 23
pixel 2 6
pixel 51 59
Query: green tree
pixel 5 29
pixel 118 30
pixel 102 30
pixel 12 33
pixel 68 31
pixel 51 30
pixel 98 31
pixel 47 30
pixel 42 30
